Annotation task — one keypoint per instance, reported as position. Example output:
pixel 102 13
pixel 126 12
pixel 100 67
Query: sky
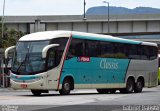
pixel 66 7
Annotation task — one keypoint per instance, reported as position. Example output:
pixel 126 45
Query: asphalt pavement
pixel 80 100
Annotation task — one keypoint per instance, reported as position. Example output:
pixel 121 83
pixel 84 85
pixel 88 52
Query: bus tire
pixel 139 86
pixel 129 86
pixel 102 91
pixel 36 92
pixel 66 87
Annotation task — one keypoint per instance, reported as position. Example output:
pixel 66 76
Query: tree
pixel 10 37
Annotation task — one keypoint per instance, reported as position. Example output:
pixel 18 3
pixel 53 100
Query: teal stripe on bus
pixel 24 77
pixel 106 39
pixel 96 71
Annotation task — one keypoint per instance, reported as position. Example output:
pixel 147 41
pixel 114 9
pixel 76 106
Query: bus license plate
pixel 24 86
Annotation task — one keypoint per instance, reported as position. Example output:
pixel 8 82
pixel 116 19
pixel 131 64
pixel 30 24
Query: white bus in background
pixel 67 60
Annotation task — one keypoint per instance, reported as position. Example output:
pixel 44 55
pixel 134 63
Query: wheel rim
pixel 130 86
pixel 139 85
pixel 67 86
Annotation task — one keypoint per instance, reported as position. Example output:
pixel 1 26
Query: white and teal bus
pixel 67 60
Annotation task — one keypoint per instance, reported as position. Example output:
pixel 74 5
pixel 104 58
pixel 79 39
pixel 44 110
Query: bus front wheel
pixel 66 87
pixel 36 92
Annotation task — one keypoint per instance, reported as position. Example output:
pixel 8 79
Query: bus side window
pixel 134 52
pixel 107 49
pixel 144 53
pixel 54 57
pixel 120 51
pixel 76 49
pixel 79 49
pixel 153 52
pixel 51 59
pixel 55 54
pixel 92 48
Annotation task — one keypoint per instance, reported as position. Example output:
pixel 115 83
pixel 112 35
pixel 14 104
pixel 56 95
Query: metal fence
pixel 4 73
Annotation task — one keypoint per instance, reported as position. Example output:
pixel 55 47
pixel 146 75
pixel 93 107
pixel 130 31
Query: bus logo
pixel 104 64
pixel 83 59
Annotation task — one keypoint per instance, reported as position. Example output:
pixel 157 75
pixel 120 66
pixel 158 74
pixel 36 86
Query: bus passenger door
pixel 53 60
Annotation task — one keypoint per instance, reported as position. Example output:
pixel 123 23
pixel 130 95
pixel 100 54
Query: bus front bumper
pixel 40 84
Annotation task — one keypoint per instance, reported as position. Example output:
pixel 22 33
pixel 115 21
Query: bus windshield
pixel 28 58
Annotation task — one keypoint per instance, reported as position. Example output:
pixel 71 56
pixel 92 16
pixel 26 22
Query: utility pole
pixel 108 16
pixel 84 14
pixel 2 63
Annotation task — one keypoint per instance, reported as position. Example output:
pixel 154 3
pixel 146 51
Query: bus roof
pixel 47 35
pixel 109 38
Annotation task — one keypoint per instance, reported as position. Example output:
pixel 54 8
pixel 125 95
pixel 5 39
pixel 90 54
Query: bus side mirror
pixel 46 48
pixel 6 53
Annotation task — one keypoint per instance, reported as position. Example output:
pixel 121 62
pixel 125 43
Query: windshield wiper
pixel 23 62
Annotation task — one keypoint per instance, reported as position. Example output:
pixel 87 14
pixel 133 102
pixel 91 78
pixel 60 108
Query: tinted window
pixel 77 48
pixel 107 49
pixel 153 52
pixel 144 52
pixel 134 52
pixel 55 54
pixel 120 50
pixel 93 48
